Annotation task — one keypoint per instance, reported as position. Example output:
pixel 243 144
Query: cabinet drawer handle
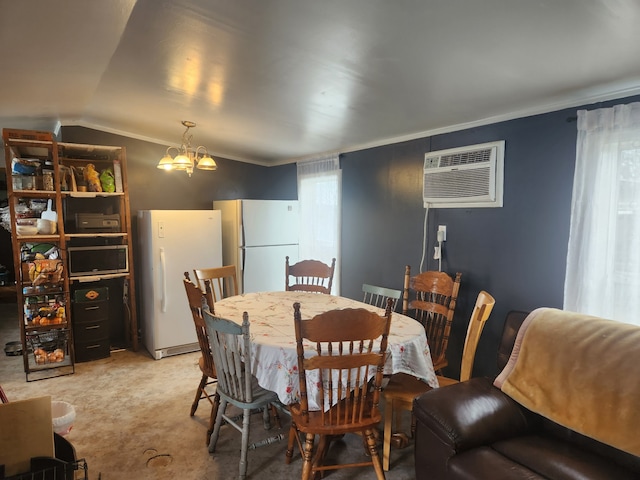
pixel 92 327
pixel 93 307
pixel 92 346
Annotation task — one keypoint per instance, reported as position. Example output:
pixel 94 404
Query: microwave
pixel 98 260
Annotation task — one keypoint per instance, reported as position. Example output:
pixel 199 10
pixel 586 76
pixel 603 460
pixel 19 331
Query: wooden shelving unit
pixel 53 290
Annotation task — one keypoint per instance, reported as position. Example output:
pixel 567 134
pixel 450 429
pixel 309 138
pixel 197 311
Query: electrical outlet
pixel 443 229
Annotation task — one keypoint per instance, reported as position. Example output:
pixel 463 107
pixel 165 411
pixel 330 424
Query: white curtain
pixel 319 186
pixel 603 261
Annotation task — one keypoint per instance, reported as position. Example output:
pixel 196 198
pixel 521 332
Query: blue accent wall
pixel 517 252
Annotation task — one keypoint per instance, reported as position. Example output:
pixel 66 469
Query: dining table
pixel 273 339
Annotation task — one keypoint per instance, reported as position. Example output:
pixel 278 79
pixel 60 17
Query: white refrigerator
pixel 172 242
pixel 257 235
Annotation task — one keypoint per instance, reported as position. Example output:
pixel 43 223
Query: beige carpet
pixel 132 420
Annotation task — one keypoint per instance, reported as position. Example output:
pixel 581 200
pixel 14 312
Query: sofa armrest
pixel 471 413
pixel 459 417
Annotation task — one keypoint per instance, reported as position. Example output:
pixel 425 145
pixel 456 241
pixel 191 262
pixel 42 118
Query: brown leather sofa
pixel 471 430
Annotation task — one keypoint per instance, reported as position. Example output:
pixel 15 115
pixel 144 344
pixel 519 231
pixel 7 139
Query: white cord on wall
pixel 424 237
pixel 439 251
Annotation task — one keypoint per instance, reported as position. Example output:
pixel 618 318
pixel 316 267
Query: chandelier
pixel 187 157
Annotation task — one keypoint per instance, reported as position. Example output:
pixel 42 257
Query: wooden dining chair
pixel 209 377
pixel 430 297
pixel 231 348
pixel 378 296
pixel 309 276
pixel 402 389
pixel 224 282
pixel 481 311
pixel 350 346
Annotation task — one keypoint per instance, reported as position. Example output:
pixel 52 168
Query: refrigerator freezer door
pixel 264 267
pixel 269 222
pixel 174 242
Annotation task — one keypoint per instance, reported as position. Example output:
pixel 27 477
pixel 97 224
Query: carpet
pixel 132 421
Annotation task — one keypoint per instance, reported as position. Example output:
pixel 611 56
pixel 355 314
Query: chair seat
pixel 206 371
pixel 446 381
pixel 404 387
pixel 260 396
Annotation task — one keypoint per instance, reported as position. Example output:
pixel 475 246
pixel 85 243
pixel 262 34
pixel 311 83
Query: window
pixel 603 262
pixel 319 185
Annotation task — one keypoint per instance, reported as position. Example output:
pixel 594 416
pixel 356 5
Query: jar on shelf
pixel 47 177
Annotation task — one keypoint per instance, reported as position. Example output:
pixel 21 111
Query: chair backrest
pixel 195 297
pixel 348 344
pixel 378 296
pixel 309 276
pixel 481 311
pixel 231 348
pixel 434 296
pixel 224 282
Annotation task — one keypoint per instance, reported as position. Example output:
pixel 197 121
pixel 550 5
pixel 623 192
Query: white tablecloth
pixel 275 364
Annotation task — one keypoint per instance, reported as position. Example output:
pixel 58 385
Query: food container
pixel 47 180
pixel 46 227
pixel 26 226
pixel 23 182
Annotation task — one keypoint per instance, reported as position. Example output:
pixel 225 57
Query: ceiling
pixel 272 81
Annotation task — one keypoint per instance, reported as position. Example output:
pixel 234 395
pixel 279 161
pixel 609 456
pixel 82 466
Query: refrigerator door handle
pixel 163 282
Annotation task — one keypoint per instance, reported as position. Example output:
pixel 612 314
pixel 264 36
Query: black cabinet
pixel 91 323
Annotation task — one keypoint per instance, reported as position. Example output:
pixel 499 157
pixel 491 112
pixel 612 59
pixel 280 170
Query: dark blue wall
pixel 517 252
pixel 151 188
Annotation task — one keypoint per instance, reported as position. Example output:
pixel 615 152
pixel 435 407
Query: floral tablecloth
pixel 274 343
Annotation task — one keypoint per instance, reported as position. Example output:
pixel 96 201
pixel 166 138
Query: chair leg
pixel 216 428
pixel 322 448
pixel 266 418
pixel 293 437
pixel 212 416
pixel 276 415
pixel 194 405
pixel 307 456
pixel 246 419
pixel 373 451
pixel 386 443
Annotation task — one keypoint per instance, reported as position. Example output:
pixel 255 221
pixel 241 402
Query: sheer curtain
pixel 319 182
pixel 603 261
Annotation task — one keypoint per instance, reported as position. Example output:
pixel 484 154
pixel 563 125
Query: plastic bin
pixel 63 414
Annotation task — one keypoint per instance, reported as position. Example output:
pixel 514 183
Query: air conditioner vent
pixel 464 177
pixel 466 158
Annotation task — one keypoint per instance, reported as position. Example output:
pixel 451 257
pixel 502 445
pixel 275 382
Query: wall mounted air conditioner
pixel 465 177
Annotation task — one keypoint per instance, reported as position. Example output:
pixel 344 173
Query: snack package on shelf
pixel 45 271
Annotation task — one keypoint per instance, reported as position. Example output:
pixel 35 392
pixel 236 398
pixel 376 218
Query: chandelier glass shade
pixel 186 157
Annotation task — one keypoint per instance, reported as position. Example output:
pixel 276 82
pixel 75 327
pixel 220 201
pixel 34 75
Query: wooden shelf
pixel 42 147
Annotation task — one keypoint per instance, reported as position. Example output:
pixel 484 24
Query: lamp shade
pixel 207 163
pixel 166 163
pixel 181 162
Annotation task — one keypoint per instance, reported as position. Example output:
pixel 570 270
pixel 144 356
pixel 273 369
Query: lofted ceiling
pixel 272 81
